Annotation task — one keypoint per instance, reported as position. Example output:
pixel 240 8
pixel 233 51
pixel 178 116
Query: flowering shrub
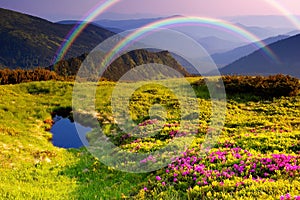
pixel 229 163
pixel 229 171
pixel 255 157
pixel 288 196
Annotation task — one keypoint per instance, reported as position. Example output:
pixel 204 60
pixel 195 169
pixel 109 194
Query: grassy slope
pixel 31 168
pixel 28 41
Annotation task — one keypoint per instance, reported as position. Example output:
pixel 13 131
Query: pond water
pixel 65 134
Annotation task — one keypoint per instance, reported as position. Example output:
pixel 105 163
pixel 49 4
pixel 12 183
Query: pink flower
pixel 158 178
pixel 163 183
pixel 266 174
pixel 145 189
pixel 175 179
pixel 281 197
pixel 288 196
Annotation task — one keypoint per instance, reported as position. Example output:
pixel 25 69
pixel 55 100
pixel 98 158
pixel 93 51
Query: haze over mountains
pixel 260 31
pixel 223 59
pixel 276 21
pixel 28 41
pixel 258 63
pixel 212 39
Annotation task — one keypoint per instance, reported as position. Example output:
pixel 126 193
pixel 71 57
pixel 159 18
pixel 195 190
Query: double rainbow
pixel 168 23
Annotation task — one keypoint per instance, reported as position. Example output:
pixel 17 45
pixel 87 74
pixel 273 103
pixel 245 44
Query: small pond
pixel 65 134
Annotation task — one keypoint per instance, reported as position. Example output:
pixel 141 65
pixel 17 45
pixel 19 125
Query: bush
pixel 16 76
pixel 266 87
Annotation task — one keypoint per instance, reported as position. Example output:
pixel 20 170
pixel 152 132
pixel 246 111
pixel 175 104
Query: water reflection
pixel 65 134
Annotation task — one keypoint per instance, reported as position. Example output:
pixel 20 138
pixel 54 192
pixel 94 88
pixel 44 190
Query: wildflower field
pixel 256 156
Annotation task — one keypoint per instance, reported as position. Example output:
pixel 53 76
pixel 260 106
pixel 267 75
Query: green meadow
pixel 256 155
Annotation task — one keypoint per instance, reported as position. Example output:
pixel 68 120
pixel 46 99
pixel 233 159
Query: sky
pixel 55 10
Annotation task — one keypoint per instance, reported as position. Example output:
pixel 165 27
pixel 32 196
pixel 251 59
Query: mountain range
pixel 121 65
pixel 213 40
pixel 287 52
pixel 261 32
pixel 28 41
pixel 223 59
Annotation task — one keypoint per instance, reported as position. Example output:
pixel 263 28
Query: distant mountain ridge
pixel 257 63
pixel 223 59
pixel 213 44
pixel 276 21
pixel 125 24
pixel 73 22
pixel 264 32
pixel 128 24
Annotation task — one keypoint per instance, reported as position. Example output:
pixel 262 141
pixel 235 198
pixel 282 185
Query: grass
pixel 32 168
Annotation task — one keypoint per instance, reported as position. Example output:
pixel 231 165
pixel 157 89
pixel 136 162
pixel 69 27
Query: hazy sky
pixel 69 9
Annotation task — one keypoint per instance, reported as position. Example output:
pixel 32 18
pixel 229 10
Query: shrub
pixel 16 76
pixel 266 87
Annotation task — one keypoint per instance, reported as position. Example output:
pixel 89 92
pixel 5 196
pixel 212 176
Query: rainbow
pixel 278 6
pixel 192 20
pixel 80 26
pixel 102 6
